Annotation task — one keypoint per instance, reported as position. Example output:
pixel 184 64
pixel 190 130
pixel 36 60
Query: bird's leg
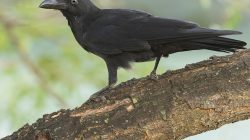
pixel 112 71
pixel 153 74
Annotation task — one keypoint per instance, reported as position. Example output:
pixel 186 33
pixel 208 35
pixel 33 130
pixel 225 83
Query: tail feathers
pixel 225 32
pixel 220 44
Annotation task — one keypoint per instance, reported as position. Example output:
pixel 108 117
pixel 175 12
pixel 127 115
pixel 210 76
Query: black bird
pixel 121 36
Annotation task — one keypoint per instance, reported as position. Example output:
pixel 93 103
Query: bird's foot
pixel 100 95
pixel 153 76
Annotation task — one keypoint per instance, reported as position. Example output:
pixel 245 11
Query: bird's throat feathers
pixel 82 14
pixel 77 25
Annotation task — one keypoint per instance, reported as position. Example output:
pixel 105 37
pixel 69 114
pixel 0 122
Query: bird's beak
pixel 53 4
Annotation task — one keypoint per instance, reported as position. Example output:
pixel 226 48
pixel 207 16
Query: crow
pixel 122 36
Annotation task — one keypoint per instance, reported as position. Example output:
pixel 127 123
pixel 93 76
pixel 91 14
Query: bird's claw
pixel 98 98
pixel 153 76
pixel 100 95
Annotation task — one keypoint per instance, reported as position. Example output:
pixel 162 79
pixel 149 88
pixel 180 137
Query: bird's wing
pixel 134 31
pixel 169 30
pixel 111 40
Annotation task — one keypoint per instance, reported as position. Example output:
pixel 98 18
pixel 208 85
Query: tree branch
pixel 182 103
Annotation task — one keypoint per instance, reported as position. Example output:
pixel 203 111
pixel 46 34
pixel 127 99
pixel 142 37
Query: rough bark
pixel 182 103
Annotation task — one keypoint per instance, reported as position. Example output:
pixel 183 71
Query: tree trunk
pixel 182 103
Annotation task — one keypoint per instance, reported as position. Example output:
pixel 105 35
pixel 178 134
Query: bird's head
pixel 74 7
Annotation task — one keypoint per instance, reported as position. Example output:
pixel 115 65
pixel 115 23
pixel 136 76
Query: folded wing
pixel 138 32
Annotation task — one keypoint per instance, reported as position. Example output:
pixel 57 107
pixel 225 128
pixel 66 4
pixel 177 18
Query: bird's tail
pixel 221 44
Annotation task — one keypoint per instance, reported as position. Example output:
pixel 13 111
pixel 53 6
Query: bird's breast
pixel 83 42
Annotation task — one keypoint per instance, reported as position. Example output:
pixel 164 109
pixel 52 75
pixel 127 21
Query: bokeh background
pixel 43 69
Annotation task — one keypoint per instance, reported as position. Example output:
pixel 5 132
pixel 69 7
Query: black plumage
pixel 121 36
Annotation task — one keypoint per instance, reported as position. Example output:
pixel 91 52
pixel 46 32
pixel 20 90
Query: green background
pixel 43 69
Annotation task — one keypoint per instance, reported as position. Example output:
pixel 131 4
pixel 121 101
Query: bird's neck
pixel 87 7
pixel 79 24
pixel 86 14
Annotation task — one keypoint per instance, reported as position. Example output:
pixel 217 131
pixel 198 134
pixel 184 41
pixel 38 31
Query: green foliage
pixel 65 69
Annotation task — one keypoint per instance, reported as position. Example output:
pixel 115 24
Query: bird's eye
pixel 74 2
